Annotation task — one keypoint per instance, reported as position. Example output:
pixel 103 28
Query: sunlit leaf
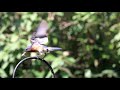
pixel 3 74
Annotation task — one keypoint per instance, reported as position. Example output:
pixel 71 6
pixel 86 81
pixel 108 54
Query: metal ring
pixel 37 58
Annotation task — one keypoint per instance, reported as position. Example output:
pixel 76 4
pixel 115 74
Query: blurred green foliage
pixel 90 42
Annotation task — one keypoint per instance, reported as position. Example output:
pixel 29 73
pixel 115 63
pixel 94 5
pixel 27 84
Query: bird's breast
pixel 36 47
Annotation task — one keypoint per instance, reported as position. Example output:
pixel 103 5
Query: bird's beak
pixel 23 54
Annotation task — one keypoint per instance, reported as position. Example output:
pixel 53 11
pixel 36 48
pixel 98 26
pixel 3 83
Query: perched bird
pixel 39 40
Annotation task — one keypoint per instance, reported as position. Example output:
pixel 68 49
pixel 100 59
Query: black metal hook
pixel 37 58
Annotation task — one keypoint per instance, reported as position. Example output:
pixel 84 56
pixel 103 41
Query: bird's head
pixel 28 49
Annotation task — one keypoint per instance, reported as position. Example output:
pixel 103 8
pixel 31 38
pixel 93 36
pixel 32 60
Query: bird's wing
pixel 41 33
pixel 42 29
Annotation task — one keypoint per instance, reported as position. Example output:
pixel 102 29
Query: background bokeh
pixel 90 43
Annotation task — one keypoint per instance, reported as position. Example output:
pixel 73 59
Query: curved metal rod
pixel 37 58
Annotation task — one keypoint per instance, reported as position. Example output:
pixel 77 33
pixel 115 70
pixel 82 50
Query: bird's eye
pixel 32 38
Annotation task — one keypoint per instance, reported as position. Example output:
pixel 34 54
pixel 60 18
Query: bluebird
pixel 39 40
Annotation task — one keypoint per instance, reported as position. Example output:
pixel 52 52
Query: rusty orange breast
pixel 36 48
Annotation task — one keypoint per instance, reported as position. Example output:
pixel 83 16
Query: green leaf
pixel 3 74
pixel 60 13
pixel 4 65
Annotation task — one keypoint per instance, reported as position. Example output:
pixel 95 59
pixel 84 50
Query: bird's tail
pixel 53 48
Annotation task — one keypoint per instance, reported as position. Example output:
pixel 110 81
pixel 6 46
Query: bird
pixel 39 40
